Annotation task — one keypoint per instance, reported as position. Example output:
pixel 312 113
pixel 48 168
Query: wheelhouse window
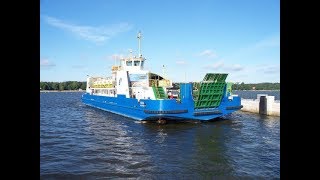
pixel 129 63
pixel 136 63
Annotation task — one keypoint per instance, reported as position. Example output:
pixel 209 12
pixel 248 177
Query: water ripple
pixel 80 142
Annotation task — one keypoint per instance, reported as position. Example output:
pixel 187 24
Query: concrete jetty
pixel 264 104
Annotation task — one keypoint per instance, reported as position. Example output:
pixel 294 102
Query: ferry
pixel 142 95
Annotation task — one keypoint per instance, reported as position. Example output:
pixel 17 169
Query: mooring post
pixel 263 105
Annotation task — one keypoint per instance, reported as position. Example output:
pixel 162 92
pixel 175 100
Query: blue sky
pixel 189 37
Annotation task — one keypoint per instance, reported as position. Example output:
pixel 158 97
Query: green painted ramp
pixel 215 77
pixel 209 92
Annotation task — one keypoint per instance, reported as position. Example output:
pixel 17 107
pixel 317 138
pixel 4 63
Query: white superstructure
pixel 129 79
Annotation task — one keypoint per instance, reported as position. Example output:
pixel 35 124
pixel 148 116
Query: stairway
pixel 159 93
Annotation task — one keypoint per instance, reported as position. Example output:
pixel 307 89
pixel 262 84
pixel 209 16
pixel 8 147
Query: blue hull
pixel 146 109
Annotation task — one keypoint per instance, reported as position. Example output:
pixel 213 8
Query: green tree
pixel 61 86
pixel 83 85
pixel 55 86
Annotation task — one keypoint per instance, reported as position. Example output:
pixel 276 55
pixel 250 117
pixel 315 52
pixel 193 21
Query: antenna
pixel 139 40
pixel 163 71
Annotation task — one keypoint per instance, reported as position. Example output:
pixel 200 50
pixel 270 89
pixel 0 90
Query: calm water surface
pixel 77 141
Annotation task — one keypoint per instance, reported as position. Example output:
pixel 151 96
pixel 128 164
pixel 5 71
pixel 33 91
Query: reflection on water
pixel 161 136
pixel 77 141
pixel 209 154
pixel 256 146
pixel 124 152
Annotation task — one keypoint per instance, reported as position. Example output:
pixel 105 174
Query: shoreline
pixel 257 90
pixel 48 91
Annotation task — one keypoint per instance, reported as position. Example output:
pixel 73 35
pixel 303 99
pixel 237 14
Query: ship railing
pixel 103 86
pixel 160 83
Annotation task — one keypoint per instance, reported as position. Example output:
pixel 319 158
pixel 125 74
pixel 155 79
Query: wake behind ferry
pixel 142 95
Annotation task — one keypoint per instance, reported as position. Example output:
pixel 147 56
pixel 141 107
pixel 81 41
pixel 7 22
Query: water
pixel 253 94
pixel 77 141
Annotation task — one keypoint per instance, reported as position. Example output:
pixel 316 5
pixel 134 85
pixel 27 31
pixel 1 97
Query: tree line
pixel 60 86
pixel 75 85
pixel 257 86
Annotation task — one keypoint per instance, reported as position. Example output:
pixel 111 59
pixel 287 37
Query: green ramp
pixel 209 92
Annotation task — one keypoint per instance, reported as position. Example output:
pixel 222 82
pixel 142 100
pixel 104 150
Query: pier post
pixel 263 105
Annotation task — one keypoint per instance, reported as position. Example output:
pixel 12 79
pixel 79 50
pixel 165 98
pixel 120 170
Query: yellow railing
pixel 159 83
pixel 102 86
pixel 164 83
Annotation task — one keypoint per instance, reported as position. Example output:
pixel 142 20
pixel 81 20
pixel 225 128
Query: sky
pixel 181 39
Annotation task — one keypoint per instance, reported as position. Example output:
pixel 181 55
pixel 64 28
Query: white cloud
pixel 181 62
pixel 90 33
pixel 271 69
pixel 258 50
pixel 45 63
pixel 263 44
pixel 208 53
pixel 215 66
pixel 236 67
pixel 220 65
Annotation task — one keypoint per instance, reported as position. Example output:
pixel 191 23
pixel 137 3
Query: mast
pixel 163 71
pixel 139 40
